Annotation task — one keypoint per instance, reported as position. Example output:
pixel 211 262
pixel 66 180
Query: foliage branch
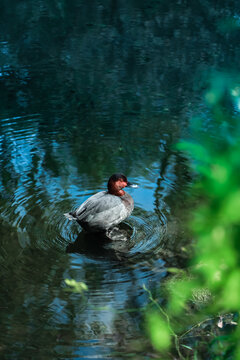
pixel 213 277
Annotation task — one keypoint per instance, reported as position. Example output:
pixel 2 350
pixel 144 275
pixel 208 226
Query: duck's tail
pixel 70 216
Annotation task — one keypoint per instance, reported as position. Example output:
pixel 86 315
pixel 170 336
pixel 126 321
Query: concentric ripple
pixel 38 186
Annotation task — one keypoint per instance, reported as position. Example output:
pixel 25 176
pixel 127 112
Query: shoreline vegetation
pixel 200 317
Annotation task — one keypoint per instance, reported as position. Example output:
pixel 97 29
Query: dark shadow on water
pixel 115 246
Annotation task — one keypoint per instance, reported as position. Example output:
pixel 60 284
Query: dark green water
pixel 89 88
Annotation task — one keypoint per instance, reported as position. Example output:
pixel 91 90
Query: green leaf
pixel 196 150
pixel 180 291
pixel 159 331
pixel 187 347
pixel 231 206
pixel 231 293
pixel 76 286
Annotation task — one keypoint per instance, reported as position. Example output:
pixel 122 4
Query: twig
pixel 194 326
pixel 168 321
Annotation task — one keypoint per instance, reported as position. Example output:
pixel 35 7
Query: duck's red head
pixel 116 183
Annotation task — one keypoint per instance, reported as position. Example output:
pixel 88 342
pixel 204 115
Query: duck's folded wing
pixel 98 204
pixel 103 213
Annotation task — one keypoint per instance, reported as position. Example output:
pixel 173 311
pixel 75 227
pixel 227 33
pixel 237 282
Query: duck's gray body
pixel 102 211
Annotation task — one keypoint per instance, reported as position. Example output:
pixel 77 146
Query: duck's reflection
pixel 115 245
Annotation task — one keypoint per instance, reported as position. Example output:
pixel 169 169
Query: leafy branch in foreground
pixel 215 226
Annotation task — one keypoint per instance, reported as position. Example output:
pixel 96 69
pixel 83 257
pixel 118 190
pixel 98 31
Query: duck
pixel 106 209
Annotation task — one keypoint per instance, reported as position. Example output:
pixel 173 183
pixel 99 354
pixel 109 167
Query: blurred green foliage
pixel 213 277
pixel 76 286
pixel 159 332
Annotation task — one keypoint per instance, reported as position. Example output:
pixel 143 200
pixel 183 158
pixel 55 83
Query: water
pixel 88 89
